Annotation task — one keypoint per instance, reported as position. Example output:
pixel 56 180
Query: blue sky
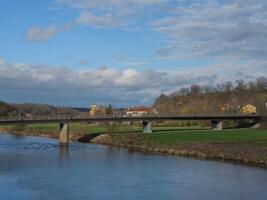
pixel 126 52
pixel 80 46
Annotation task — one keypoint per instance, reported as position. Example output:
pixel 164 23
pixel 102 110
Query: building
pixel 93 109
pixel 248 109
pixel 97 110
pixel 139 111
pixel 228 108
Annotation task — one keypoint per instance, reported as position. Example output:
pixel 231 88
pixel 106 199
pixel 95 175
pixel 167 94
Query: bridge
pixel 216 120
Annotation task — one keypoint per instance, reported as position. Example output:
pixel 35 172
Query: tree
pixel 195 89
pixel 240 85
pixel 5 108
pixel 109 110
pixel 261 84
pixel 184 91
pixel 162 104
pixel 252 86
pixel 228 86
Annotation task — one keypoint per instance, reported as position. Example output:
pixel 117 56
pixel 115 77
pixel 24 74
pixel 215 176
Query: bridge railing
pixel 64 117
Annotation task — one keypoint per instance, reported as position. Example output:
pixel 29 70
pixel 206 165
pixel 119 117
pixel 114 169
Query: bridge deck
pixel 42 119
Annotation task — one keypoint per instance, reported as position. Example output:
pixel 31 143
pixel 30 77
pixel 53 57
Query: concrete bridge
pixel 216 121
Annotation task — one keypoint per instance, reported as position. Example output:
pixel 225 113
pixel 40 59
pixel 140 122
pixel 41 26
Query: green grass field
pixel 253 136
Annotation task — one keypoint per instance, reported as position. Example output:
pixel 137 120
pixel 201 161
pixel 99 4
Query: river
pixel 36 168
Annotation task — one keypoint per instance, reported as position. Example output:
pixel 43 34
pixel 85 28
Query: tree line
pixel 5 108
pixel 224 97
pixel 32 110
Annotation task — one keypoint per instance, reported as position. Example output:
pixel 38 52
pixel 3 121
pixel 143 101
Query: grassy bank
pixel 238 136
pixel 251 137
pixel 237 145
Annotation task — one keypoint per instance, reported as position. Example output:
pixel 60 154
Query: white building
pixel 139 111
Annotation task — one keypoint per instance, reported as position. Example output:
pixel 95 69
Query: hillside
pixel 46 110
pixel 6 109
pixel 31 109
pixel 226 97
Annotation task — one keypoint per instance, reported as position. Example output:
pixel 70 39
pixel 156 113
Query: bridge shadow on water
pixel 88 137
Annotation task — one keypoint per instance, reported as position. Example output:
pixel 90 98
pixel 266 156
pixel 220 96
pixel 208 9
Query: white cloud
pixel 41 34
pixel 107 20
pixel 38 33
pixel 108 4
pixel 229 30
pixel 234 30
pixel 108 85
pixel 231 33
pixel 194 29
pixel 111 13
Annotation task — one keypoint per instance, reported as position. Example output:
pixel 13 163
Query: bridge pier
pixel 64 134
pixel 147 127
pixel 217 124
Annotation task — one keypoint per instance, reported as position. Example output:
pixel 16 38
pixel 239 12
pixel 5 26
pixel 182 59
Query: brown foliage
pixel 226 97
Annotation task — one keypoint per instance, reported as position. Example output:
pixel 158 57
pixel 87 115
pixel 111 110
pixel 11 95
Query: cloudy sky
pixel 126 52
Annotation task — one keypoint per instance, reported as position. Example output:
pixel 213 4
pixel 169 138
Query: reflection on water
pixel 38 168
pixel 63 152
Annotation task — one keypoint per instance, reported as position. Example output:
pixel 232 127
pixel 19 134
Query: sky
pixel 126 52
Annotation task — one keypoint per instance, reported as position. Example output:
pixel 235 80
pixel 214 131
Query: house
pixel 93 109
pixel 139 111
pixel 248 109
pixel 97 110
pixel 228 108
pixel 28 116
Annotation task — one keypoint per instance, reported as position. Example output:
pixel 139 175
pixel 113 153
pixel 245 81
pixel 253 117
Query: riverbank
pixel 244 146
pixel 39 133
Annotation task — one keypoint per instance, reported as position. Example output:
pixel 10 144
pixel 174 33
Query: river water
pixel 36 168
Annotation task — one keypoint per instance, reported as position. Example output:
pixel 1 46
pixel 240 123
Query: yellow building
pixel 93 110
pixel 97 110
pixel 248 109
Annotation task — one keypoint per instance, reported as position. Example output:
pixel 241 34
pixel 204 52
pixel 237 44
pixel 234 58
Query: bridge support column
pixel 64 134
pixel 217 124
pixel 147 127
